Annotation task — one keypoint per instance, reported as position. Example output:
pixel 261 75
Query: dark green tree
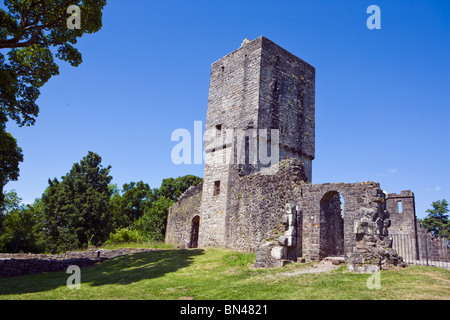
pixel 75 209
pixel 437 221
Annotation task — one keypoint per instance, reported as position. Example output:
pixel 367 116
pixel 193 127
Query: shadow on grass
pixel 121 270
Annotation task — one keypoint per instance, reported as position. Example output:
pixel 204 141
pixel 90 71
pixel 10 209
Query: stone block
pixel 278 252
pixel 354 258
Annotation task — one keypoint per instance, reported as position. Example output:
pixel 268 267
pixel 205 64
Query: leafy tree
pixel 76 209
pixel 173 188
pixel 11 202
pixel 32 32
pixel 129 206
pixel 154 221
pixel 19 230
pixel 437 221
pixel 10 156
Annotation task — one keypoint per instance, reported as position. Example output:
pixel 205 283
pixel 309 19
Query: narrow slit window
pixel 399 207
pixel 216 188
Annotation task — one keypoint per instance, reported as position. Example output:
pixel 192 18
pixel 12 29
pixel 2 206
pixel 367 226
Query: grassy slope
pixel 222 274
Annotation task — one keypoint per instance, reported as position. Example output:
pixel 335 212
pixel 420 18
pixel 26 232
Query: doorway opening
pixel 331 225
pixel 195 225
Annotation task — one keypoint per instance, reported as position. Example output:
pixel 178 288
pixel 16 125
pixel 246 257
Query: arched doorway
pixel 195 225
pixel 331 225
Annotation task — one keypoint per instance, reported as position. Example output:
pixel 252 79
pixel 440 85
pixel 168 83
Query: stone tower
pixel 259 86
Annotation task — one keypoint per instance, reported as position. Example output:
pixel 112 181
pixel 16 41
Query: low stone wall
pixel 12 265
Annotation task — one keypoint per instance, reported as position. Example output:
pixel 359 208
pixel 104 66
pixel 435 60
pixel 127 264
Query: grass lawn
pixel 222 274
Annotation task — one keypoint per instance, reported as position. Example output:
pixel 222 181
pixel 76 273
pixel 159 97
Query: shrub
pixel 125 235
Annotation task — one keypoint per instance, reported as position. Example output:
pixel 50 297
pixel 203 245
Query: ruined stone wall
pixel 257 204
pixel 431 248
pixel 360 199
pixel 179 220
pixel 20 264
pixel 410 240
pixel 282 218
pixel 403 222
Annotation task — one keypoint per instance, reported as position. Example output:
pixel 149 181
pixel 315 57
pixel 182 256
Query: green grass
pixel 222 274
pixel 143 245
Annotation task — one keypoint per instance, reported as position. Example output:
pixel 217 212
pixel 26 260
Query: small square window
pixel 216 188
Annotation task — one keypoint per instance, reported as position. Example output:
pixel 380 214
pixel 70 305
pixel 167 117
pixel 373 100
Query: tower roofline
pixel 263 40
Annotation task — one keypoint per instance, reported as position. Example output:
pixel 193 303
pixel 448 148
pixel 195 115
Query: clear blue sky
pixel 382 96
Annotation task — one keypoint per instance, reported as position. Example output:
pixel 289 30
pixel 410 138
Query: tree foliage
pixel 437 221
pixel 173 188
pixel 128 206
pixel 75 209
pixel 152 224
pixel 19 225
pixel 32 34
pixel 145 210
pixel 32 30
pixel 84 208
pixel 10 157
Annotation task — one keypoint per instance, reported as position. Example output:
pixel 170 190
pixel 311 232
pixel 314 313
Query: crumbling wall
pixel 403 222
pixel 179 220
pixel 410 240
pixel 360 232
pixel 358 199
pixel 431 248
pixel 257 203
pixel 20 264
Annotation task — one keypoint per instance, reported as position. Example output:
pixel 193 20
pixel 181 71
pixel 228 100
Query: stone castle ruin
pixel 261 102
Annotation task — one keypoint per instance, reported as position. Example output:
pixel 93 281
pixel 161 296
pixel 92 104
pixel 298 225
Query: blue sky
pixel 382 96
